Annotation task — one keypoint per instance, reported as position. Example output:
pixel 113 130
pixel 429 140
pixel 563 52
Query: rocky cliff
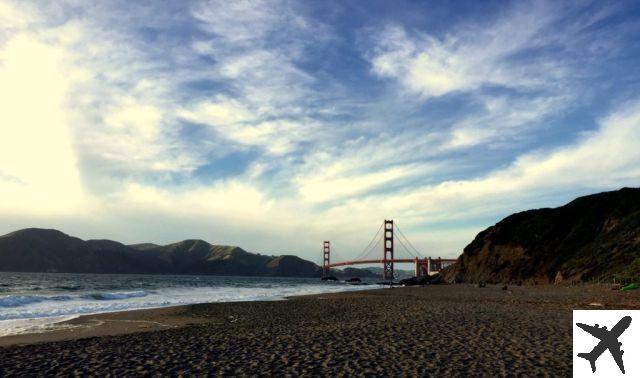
pixel 596 236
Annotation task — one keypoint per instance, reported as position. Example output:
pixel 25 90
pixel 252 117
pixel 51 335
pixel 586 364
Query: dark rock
pixel 354 279
pixel 423 280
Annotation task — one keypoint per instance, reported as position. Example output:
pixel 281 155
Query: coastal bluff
pixel 595 236
pixel 47 250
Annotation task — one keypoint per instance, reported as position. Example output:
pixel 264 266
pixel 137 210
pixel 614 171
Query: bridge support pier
pixel 421 267
pixel 387 259
pixel 326 256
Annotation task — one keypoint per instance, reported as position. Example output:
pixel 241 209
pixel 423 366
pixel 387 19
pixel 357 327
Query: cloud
pixel 135 116
pixel 605 158
pixel 513 70
pixel 502 120
pixel 259 124
pixel 244 21
pixel 244 126
pixel 232 200
pixel 37 162
pixel 333 186
pixel 385 162
pixel 257 47
pixel 474 57
pixel 13 18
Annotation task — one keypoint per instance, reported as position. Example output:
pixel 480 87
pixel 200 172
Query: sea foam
pixel 22 312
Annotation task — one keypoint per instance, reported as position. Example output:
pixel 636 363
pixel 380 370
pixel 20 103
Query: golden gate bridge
pixel 386 237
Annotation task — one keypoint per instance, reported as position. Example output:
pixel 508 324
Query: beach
pixel 441 329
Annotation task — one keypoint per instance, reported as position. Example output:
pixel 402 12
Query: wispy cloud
pixel 477 55
pixel 276 124
pixel 519 68
pixel 257 46
pixel 503 120
pixel 601 159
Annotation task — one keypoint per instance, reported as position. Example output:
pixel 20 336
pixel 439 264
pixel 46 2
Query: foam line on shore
pixel 48 312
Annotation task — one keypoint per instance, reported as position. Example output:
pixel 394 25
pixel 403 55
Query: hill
pixel 596 236
pixel 41 250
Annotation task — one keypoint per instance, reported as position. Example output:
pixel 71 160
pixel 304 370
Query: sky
pixel 275 125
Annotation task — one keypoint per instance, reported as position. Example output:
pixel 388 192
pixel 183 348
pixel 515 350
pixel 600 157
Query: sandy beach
pixel 449 329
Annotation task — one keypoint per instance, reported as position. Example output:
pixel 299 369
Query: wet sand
pixel 456 330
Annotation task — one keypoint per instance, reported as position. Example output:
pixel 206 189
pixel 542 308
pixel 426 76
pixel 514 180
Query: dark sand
pixel 448 330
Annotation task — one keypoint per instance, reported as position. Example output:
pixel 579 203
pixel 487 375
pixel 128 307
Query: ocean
pixel 36 302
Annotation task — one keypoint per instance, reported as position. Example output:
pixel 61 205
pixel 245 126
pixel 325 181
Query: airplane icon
pixel 608 340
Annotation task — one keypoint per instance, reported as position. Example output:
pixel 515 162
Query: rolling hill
pixel 43 250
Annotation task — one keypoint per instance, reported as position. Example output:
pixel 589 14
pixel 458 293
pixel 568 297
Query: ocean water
pixel 36 302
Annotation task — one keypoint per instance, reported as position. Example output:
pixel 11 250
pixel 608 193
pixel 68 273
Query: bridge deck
pixel 380 261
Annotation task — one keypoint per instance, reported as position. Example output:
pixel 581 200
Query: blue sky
pixel 275 125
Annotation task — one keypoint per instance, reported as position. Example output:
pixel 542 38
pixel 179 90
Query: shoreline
pixel 434 330
pixel 111 323
pixel 46 318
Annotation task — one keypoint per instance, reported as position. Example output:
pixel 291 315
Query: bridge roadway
pixel 381 261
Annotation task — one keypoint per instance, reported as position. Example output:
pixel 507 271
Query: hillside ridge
pixel 50 250
pixel 594 236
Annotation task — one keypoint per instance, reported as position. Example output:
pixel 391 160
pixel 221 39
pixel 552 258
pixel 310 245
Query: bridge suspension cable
pixel 405 247
pixel 417 254
pixel 335 256
pixel 320 258
pixel 369 246
pixel 374 251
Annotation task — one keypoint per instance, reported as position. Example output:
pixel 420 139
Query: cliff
pixel 596 236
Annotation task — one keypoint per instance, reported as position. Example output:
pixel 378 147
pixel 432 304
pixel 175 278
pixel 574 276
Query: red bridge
pixel 423 266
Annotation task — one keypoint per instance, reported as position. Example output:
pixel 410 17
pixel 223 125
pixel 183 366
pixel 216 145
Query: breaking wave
pixel 63 296
pixel 115 296
pixel 21 300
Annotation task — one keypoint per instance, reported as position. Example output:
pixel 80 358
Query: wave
pixel 115 296
pixel 68 287
pixel 22 300
pixel 27 309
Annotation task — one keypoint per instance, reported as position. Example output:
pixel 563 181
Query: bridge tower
pixel 387 259
pixel 326 252
pixel 421 267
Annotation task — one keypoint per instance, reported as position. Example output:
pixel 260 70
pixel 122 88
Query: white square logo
pixel 606 343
